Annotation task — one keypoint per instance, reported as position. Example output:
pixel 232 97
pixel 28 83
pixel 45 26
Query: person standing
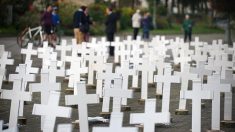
pixel 55 19
pixel 146 25
pixel 187 27
pixel 47 24
pixel 88 22
pixel 110 27
pixel 78 24
pixel 136 22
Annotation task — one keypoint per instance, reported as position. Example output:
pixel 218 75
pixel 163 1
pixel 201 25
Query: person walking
pixel 146 25
pixel 110 27
pixel 78 24
pixel 136 23
pixel 46 20
pixel 187 27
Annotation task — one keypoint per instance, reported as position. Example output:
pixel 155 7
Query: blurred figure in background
pixel 187 27
pixel 78 24
pixel 88 22
pixel 146 24
pixel 136 23
pixel 110 27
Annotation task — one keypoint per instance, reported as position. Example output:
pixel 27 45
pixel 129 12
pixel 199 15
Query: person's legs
pixel 76 35
pixel 190 35
pixel 136 30
pixel 185 36
pixel 80 37
pixel 110 38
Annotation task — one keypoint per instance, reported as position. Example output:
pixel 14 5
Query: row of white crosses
pixel 141 66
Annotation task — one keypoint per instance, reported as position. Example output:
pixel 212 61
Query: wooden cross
pixel 118 93
pixel 197 94
pixel 115 125
pixel 166 79
pixel 82 99
pixel 16 95
pixel 214 85
pixel 185 76
pixel 29 52
pixel 150 117
pixel 51 111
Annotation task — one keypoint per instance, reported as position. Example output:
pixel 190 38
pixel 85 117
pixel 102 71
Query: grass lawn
pixel 176 29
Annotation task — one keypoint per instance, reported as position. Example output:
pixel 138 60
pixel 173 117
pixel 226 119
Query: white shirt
pixel 136 20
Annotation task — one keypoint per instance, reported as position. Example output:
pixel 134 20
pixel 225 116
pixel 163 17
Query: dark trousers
pixel 146 35
pixel 135 32
pixel 187 35
pixel 110 38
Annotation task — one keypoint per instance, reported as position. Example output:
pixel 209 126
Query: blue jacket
pixel 78 18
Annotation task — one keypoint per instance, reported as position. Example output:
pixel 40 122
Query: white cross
pixel 125 71
pixel 185 76
pixel 29 52
pixel 53 71
pixel 115 125
pixel 211 65
pixel 64 128
pixel 82 99
pixel 197 94
pixel 200 70
pixel 145 68
pixel 51 111
pixel 107 77
pixel 45 87
pixel 166 79
pixel 25 79
pixel 45 54
pixel 91 58
pixel 63 48
pixel 2 74
pixel 5 61
pixel 29 69
pixel 16 95
pixel 118 93
pixel 75 74
pixel 214 85
pixel 229 79
pixel 117 44
pixel 150 117
pixel 160 69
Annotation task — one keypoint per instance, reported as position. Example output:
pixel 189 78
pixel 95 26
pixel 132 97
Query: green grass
pixel 176 29
pixel 8 31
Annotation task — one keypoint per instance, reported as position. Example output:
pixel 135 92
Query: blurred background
pixel 209 16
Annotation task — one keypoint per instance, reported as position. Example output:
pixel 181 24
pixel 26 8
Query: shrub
pixel 162 23
pixel 29 19
pixel 125 20
pixel 66 11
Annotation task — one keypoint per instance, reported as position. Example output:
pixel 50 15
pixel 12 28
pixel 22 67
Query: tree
pixel 227 8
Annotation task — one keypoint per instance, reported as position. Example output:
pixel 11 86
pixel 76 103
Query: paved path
pixel 181 123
